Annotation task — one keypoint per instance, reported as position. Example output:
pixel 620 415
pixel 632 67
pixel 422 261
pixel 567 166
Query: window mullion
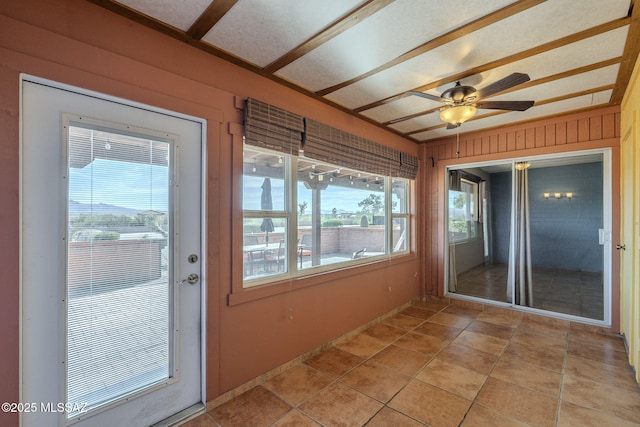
pixel 291 203
pixel 388 214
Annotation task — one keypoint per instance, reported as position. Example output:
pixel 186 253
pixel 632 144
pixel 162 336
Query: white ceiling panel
pixel 546 22
pixel 579 54
pixel 401 107
pixel 575 55
pixel 262 31
pixel 406 23
pixel 421 122
pixel 584 81
pixel 180 14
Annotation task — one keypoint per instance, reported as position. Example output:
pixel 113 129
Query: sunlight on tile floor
pixel 463 364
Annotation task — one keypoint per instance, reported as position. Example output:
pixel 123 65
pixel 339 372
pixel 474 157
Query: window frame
pixel 471 218
pixel 404 214
pixel 290 212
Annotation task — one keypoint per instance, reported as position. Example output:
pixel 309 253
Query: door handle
pixel 191 279
pixel 623 247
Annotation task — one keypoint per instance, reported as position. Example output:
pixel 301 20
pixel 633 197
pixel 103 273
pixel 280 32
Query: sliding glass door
pixel 533 233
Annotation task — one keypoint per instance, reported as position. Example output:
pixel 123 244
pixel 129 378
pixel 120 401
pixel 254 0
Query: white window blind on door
pixel 118 275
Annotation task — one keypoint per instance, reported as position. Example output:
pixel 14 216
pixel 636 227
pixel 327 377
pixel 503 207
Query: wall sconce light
pixel 557 195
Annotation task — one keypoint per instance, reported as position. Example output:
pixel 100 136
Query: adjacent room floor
pixel 437 364
pixel 579 293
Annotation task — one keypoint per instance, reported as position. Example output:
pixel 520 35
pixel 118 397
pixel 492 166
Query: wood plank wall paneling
pixel 579 131
pixel 595 127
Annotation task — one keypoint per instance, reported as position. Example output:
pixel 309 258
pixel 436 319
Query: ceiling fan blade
pixel 452 126
pixel 505 105
pixel 427 96
pixel 503 84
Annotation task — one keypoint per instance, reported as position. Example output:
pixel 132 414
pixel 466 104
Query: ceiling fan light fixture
pixel 458 114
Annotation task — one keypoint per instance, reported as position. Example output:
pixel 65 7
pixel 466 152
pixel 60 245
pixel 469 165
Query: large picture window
pixel 301 215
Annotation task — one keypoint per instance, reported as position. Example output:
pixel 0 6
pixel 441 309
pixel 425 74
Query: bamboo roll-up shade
pixel 408 166
pixel 331 145
pixel 271 127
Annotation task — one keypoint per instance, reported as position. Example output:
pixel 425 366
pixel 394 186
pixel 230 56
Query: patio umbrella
pixel 266 204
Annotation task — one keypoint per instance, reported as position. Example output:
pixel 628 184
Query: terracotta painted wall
pixel 598 128
pixel 78 43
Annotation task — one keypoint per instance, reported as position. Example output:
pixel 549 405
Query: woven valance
pixel 272 127
pixel 331 145
pixel 408 166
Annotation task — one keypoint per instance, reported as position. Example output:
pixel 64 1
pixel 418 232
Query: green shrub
pixel 107 235
pixel 332 223
pixel 364 221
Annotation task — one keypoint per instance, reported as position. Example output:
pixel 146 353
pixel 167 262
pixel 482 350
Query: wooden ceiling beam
pixel 591 32
pixel 145 20
pixel 464 30
pixel 629 56
pixel 341 25
pixel 210 17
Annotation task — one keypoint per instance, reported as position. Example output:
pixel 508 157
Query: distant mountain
pixel 77 208
pixel 330 211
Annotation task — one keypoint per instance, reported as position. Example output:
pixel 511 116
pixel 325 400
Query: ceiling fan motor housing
pixel 459 94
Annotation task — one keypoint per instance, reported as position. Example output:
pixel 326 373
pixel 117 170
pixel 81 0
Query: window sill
pixel 311 278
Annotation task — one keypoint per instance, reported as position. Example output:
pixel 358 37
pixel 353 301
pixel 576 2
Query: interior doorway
pixel 542 243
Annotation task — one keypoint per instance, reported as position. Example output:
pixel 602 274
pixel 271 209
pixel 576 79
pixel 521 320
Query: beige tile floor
pixel 437 364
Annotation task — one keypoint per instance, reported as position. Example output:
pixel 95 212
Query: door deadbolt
pixel 193 258
pixel 191 279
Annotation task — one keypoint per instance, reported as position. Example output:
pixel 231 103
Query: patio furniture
pixel 359 254
pixel 277 256
pixel 255 258
pixel 250 240
pixel 304 247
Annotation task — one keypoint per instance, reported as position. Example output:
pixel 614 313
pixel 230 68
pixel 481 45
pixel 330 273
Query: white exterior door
pixel 111 280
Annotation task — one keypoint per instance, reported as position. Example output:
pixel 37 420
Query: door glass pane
pixel 118 251
pixel 550 211
pixel 566 209
pixel 478 231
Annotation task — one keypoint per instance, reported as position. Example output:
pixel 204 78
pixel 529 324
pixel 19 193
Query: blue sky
pixel 125 184
pixel 143 186
pixel 333 197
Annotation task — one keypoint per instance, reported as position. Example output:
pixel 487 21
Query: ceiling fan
pixel 461 102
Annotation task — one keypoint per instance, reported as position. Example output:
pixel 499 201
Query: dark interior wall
pixel 500 216
pixel 564 233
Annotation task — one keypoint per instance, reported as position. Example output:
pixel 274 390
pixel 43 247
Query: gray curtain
pixel 519 278
pixel 453 276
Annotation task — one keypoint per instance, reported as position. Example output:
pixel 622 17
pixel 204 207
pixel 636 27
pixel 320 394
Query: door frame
pixel 607 220
pixel 24 78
